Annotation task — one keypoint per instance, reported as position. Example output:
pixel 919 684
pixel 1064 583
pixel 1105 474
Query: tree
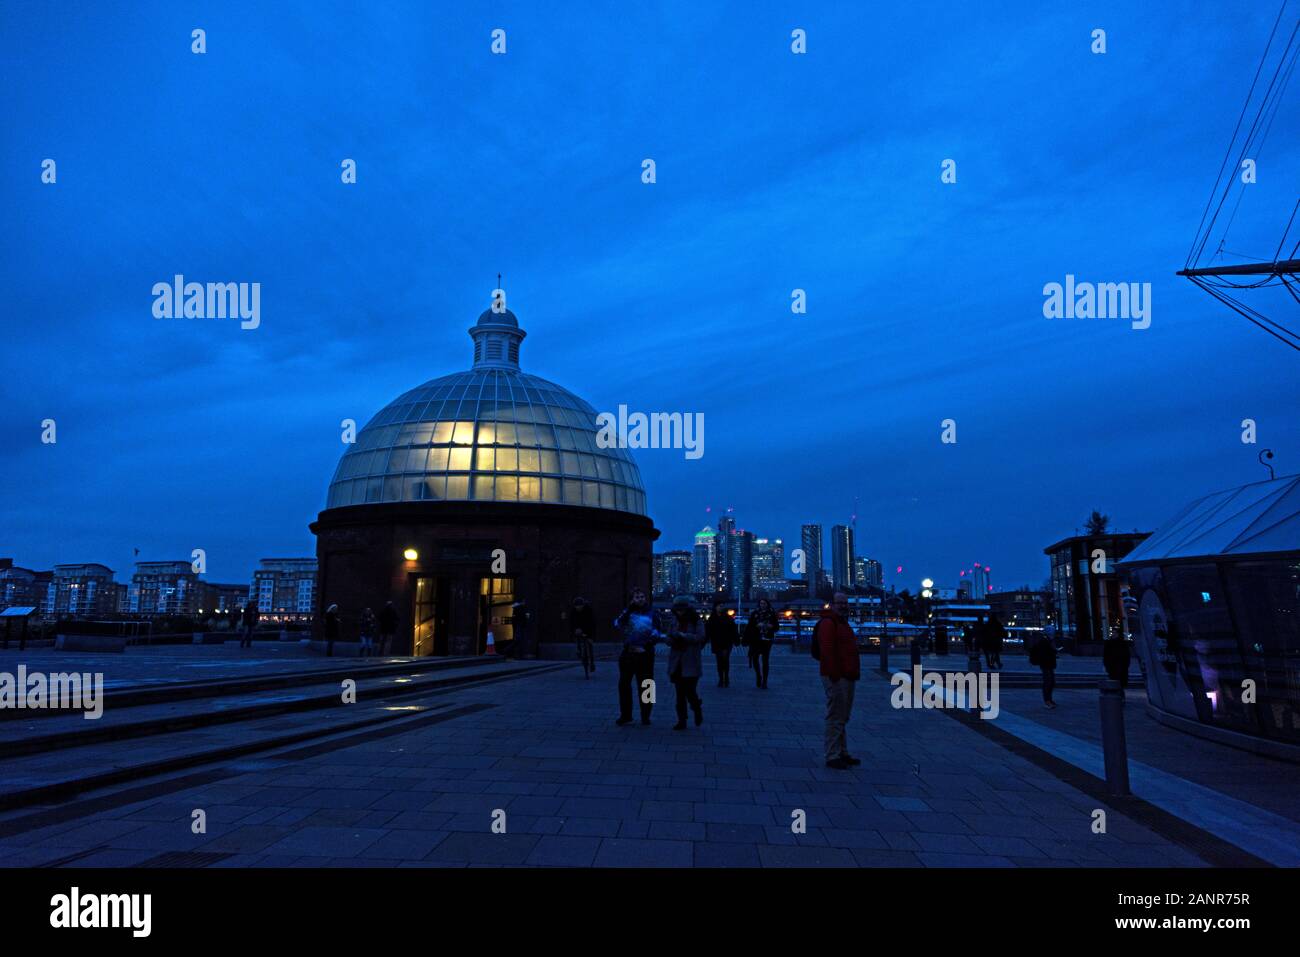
pixel 1098 523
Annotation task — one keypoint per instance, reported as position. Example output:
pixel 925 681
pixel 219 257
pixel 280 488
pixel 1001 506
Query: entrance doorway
pixel 429 634
pixel 495 614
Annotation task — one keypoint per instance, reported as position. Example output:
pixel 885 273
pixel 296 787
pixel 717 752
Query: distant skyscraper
pixel 740 555
pixel 841 557
pixel 768 566
pixel 810 540
pixel 704 562
pixel 673 573
pixel 875 574
pixel 867 572
pixel 979 583
pixel 726 531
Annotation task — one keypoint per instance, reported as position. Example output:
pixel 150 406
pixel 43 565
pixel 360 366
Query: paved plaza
pixel 537 754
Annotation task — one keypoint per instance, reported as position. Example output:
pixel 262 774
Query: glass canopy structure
pixel 492 434
pixel 1215 607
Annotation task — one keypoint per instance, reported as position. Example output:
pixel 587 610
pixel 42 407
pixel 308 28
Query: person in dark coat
pixel 760 632
pixel 1044 656
pixel 525 641
pixel 249 621
pixel 1115 656
pixel 723 635
pixel 331 629
pixel 685 641
pixel 387 627
pixel 636 662
pixel 582 628
pixel 367 633
pixel 992 639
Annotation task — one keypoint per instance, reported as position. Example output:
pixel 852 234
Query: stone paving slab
pixel 576 790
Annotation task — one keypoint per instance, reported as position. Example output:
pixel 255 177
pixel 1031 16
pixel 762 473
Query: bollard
pixel 1113 746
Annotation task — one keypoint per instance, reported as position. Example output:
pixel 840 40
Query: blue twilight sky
pixel 775 172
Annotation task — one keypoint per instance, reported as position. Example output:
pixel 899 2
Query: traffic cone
pixel 491 645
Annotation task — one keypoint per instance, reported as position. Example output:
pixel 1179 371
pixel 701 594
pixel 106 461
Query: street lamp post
pixel 927 592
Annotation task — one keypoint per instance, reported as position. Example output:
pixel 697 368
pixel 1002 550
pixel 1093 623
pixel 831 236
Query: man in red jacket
pixel 838 651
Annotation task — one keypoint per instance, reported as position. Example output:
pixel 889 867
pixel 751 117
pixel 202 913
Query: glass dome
pixel 492 434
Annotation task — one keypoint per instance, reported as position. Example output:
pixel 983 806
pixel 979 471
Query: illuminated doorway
pixel 495 598
pixel 429 618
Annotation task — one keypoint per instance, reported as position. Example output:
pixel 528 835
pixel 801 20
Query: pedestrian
pixel 387 627
pixel 331 629
pixel 1043 654
pixel 636 662
pixel 760 631
pixel 974 634
pixel 685 640
pixel 836 648
pixel 994 635
pixel 582 626
pixel 1115 656
pixel 367 629
pixel 249 622
pixel 522 618
pixel 723 635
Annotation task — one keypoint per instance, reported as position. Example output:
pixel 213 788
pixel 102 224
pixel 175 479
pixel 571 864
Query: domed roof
pixel 493 434
pixel 490 318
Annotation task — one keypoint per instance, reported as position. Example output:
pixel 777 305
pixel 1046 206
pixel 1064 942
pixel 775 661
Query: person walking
pixel 760 632
pixel 994 635
pixel 636 662
pixel 685 640
pixel 1115 657
pixel 582 626
pixel 249 621
pixel 723 635
pixel 367 629
pixel 331 629
pixel 1043 654
pixel 387 627
pixel 836 648
pixel 523 632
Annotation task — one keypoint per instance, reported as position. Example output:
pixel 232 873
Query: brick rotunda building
pixel 475 491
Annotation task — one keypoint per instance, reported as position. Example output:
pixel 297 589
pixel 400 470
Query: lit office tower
pixel 875 574
pixel 704 563
pixel 740 557
pixel 673 573
pixel 841 557
pixel 810 540
pixel 768 566
pixel 859 572
pixel 726 533
pixel 979 581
